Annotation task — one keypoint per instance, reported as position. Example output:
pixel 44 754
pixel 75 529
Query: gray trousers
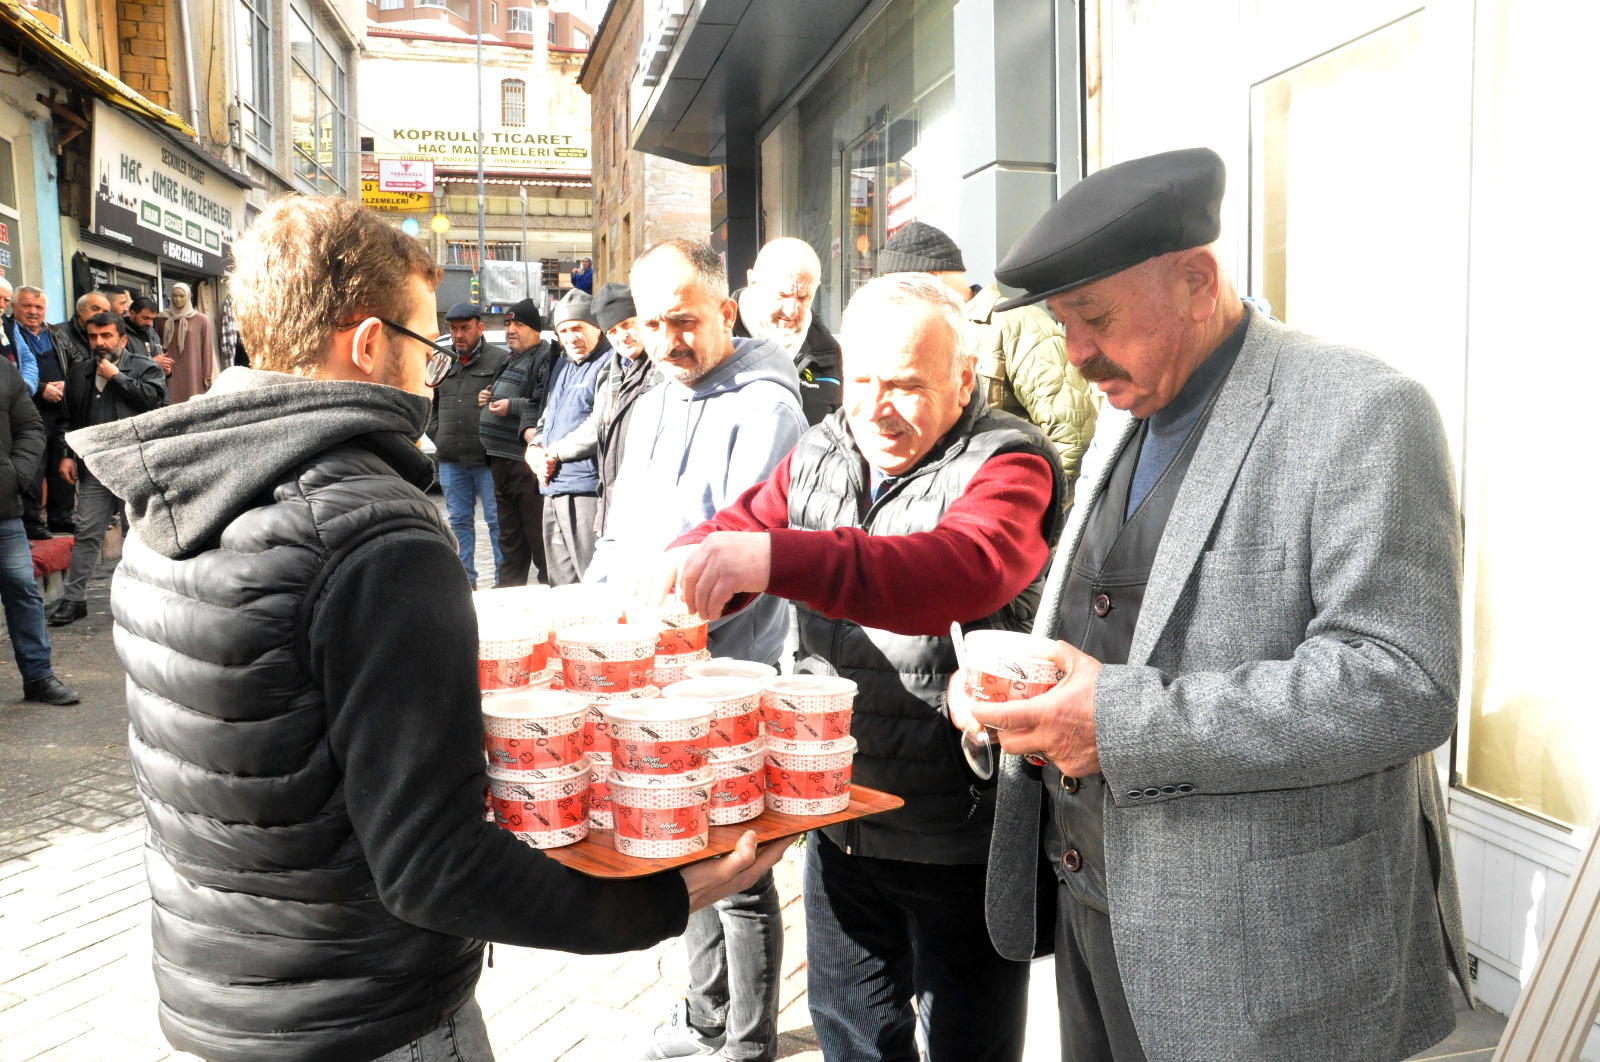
pixel 96 508
pixel 735 960
pixel 1096 1025
pixel 569 536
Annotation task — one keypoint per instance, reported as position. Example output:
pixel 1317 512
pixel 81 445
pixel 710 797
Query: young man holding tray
pixel 303 704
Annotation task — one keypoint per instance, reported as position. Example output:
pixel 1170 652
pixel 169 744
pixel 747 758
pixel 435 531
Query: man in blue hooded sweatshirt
pixel 726 414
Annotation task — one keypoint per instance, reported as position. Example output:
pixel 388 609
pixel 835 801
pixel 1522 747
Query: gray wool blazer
pixel 1278 862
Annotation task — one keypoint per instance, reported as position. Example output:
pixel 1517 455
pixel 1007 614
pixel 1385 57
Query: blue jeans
pixel 882 931
pixel 464 1038
pixel 735 959
pixel 463 486
pixel 24 607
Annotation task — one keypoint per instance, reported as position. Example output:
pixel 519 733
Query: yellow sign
pixel 371 197
pixel 440 224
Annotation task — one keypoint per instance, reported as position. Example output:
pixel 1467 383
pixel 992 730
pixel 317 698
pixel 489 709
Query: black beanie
pixel 526 312
pixel 920 248
pixel 613 304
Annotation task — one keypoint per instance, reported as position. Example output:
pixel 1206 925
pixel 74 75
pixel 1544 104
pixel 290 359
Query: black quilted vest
pixel 906 744
pixel 270 940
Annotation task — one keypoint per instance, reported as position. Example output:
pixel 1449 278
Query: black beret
pixel 1116 218
pixel 613 304
pixel 920 248
pixel 463 311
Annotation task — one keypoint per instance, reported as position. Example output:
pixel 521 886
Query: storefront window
pixel 317 100
pixel 863 146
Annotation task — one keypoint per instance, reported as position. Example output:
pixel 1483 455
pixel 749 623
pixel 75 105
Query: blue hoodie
pixel 691 451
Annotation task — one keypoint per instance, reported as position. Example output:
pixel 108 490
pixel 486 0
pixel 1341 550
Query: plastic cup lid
pixel 657 782
pixel 802 684
pixel 660 710
pixel 717 689
pixel 532 704
pixel 726 667
pixel 607 634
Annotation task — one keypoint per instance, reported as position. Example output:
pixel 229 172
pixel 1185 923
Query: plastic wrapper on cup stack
pixel 681 641
pixel 809 747
pixel 539 777
pixel 661 778
pixel 737 747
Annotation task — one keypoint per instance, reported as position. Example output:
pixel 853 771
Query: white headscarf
pixel 177 326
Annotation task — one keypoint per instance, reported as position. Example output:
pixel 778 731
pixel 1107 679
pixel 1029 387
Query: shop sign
pixel 405 175
pixel 8 253
pixel 519 150
pixel 151 195
pixel 374 197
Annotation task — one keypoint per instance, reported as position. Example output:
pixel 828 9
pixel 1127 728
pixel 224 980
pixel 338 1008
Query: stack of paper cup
pixel 809 747
pixel 512 644
pixel 597 745
pixel 661 780
pixel 577 605
pixel 1008 666
pixel 607 658
pixel 682 638
pixel 539 778
pixel 737 745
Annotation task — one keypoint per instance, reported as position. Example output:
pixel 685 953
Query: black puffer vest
pixel 270 940
pixel 906 743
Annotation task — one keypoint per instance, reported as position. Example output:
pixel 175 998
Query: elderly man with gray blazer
pixel 1225 819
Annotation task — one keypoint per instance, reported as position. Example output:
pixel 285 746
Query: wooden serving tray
pixel 597 857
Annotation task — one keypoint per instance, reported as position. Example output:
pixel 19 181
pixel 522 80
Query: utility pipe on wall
pixel 188 65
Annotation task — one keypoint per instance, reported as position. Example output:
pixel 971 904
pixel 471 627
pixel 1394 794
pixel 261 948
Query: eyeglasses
pixel 439 361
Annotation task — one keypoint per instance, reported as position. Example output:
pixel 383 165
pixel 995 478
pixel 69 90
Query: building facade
pixel 640 199
pixel 536 153
pixel 1390 185
pixel 138 139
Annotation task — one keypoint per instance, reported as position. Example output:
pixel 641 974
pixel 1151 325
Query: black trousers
pixel 880 932
pixel 49 499
pixel 521 508
pixel 1096 1025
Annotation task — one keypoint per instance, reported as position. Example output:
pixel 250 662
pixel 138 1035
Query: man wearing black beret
pixel 1257 609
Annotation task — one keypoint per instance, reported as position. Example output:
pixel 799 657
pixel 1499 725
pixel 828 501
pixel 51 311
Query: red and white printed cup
pixel 512 641
pixel 607 658
pixel 726 667
pixel 803 781
pixel 532 731
pixel 577 605
pixel 658 819
pixel 600 792
pixel 671 669
pixel 682 631
pixel 739 792
pixel 543 813
pixel 659 738
pixel 596 731
pixel 735 708
pixel 810 708
pixel 1008 666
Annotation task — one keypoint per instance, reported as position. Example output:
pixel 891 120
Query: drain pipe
pixel 188 65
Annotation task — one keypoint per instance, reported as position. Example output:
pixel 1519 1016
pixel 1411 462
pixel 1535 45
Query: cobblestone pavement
pixel 75 979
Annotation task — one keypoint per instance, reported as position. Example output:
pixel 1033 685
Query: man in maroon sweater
pixel 913 506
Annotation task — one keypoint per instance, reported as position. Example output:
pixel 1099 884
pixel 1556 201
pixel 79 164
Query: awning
pixel 78 66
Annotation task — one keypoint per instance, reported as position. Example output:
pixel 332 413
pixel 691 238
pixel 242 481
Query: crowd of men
pixel 1223 822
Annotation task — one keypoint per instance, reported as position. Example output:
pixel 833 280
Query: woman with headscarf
pixel 186 339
